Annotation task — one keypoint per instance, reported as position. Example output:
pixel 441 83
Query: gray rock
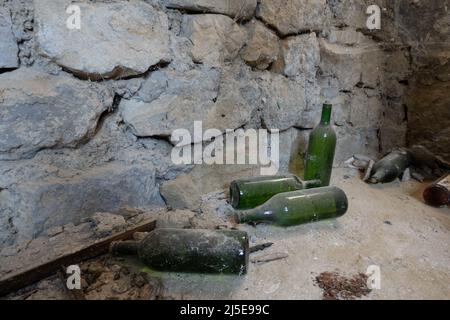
pixel 8 46
pixel 37 205
pixel 236 9
pixel 186 191
pixel 107 223
pixel 216 39
pixel 301 55
pixel 284 103
pixel 117 39
pixel 365 111
pixel 175 219
pixel 294 16
pixel 41 111
pixel 352 65
pixel 347 37
pixel 262 47
pixel 171 100
pixel 355 141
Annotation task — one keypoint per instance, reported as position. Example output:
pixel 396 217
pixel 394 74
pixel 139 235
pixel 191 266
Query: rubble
pixel 338 287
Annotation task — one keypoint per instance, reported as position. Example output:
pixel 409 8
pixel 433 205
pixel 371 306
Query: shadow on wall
pixel 427 29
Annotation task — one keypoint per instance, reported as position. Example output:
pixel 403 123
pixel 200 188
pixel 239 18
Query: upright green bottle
pixel 297 207
pixel 252 192
pixel 321 148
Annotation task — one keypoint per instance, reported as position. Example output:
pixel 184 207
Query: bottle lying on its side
pixel 252 192
pixel 438 193
pixel 390 167
pixel 298 207
pixel 189 250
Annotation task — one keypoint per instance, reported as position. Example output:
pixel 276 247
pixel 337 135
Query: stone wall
pixel 86 115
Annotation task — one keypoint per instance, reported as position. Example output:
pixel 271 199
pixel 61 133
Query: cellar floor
pixel 386 226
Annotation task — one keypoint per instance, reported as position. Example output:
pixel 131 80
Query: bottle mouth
pixel 234 195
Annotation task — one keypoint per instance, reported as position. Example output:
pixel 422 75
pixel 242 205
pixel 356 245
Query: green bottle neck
pixel 326 114
pixel 118 248
pixel 254 215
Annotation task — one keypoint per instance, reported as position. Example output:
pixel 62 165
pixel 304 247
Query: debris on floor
pixel 260 247
pixel 415 162
pixel 269 257
pixel 105 279
pixel 338 287
pixel 107 223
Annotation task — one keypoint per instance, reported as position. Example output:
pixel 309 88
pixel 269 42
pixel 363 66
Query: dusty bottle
pixel 390 167
pixel 321 148
pixel 252 192
pixel 297 207
pixel 438 194
pixel 190 250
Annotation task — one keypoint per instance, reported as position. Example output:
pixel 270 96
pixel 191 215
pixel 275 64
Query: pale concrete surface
pixel 386 225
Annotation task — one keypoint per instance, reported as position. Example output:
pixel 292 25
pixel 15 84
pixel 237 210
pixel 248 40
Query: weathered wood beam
pixel 35 274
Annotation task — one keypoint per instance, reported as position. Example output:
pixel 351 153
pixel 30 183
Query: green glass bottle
pixel 321 148
pixel 298 207
pixel 252 192
pixel 390 167
pixel 190 250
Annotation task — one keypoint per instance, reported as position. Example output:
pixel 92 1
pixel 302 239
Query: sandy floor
pixel 387 226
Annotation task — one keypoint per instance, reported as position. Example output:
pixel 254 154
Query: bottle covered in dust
pixel 390 167
pixel 298 207
pixel 438 193
pixel 321 149
pixel 190 250
pixel 252 192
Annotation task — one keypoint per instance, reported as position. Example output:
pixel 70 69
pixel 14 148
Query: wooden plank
pixel 35 274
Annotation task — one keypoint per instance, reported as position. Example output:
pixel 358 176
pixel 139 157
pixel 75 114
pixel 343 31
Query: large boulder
pixel 36 205
pixel 171 100
pixel 237 9
pixel 294 16
pixel 215 38
pixel 8 45
pixel 117 39
pixel 262 47
pixel 39 111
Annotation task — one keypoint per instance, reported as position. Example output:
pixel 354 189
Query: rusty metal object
pixel 438 194
pixel 35 274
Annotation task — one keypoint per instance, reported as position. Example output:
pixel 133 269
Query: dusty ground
pixel 386 225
